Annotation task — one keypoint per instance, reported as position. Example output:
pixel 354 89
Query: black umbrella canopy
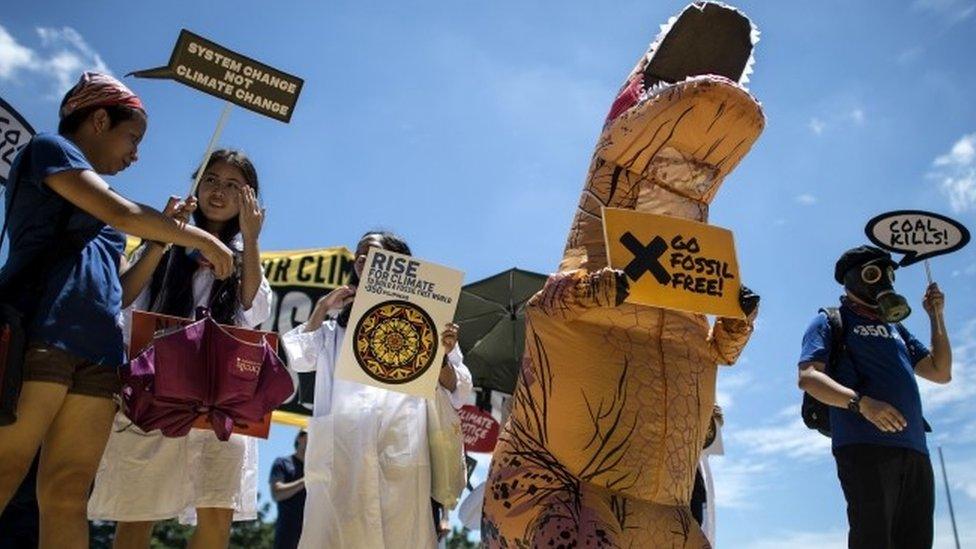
pixel 491 316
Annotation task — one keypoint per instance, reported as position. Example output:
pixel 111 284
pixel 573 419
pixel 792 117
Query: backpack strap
pixel 838 344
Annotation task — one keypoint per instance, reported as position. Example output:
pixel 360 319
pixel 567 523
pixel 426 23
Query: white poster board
pixel 15 132
pixel 393 339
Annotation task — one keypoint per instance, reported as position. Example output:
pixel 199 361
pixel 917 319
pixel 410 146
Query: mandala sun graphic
pixel 395 342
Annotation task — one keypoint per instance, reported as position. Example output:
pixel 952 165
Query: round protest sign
pixel 395 342
pixel 917 234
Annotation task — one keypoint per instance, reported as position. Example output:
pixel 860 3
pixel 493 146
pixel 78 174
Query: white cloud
pixel 806 199
pixel 736 482
pixel 962 389
pixel 789 439
pixel 962 475
pixel 13 56
pixel 817 126
pixel 61 56
pixel 802 540
pixel 953 11
pixel 910 55
pixel 839 118
pixel 955 172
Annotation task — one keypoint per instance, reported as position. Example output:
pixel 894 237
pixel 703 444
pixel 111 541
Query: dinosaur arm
pixel 567 295
pixel 729 337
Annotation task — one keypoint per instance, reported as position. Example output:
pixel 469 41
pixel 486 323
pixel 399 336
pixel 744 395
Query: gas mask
pixel 872 283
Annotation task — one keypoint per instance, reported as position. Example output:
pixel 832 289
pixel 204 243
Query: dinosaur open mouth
pixel 705 39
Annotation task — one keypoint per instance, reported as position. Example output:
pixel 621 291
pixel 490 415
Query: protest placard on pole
pixel 674 263
pixel 393 340
pixel 479 428
pixel 15 132
pixel 917 234
pixel 211 68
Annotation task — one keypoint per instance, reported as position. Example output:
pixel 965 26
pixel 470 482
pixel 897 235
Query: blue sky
pixel 468 127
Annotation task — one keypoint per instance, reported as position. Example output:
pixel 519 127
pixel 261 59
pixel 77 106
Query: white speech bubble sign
pixel 917 234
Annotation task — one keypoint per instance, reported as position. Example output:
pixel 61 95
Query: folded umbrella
pixel 202 369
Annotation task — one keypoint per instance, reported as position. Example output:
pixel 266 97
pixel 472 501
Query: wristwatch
pixel 854 404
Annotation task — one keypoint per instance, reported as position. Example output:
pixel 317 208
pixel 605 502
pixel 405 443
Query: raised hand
pixel 180 209
pixel 934 300
pixel 251 213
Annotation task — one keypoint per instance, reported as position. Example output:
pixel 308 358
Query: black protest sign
pixel 15 132
pixel 917 234
pixel 214 69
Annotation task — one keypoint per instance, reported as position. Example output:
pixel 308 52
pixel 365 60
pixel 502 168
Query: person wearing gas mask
pixel 876 424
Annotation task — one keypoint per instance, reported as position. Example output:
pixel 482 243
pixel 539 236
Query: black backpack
pixel 816 414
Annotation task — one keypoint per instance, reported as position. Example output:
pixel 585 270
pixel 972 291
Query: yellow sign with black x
pixel 674 263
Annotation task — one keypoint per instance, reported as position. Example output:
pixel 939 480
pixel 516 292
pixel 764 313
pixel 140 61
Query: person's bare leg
pixel 36 409
pixel 70 454
pixel 133 535
pixel 213 528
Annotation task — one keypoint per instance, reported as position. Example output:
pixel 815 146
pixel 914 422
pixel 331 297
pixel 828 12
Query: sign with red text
pixel 479 428
pixel 220 72
pixel 674 263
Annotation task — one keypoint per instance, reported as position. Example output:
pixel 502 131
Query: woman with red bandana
pixel 65 227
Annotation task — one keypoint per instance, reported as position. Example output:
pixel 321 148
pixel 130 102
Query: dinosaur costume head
pixel 681 122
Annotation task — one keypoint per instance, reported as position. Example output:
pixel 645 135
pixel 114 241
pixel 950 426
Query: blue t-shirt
pixel 878 364
pixel 288 527
pixel 78 309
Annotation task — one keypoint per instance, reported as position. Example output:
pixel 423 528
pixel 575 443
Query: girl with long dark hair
pixel 145 477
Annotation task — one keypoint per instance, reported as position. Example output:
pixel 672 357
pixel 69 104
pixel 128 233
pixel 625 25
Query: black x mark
pixel 645 258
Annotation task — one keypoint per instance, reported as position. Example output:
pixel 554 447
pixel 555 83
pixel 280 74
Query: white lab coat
pixel 148 477
pixel 367 464
pixel 717 448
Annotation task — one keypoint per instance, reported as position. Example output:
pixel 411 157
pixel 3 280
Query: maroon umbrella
pixel 201 369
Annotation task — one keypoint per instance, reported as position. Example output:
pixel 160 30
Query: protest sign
pixel 674 263
pixel 146 326
pixel 479 428
pixel 15 132
pixel 393 337
pixel 218 71
pixel 917 234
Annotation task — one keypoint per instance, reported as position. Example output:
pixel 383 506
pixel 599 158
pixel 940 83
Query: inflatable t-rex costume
pixel 614 399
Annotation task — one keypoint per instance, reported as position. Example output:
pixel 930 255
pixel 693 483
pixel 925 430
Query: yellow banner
pixel 324 268
pixel 674 263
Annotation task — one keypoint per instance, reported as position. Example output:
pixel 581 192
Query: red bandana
pixel 98 90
